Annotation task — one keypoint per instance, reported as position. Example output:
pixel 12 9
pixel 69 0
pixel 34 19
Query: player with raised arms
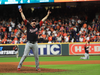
pixel 32 37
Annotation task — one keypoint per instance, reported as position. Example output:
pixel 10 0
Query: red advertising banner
pixel 78 49
pixel 73 0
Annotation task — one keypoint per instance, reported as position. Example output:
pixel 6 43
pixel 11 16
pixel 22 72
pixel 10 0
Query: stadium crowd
pixel 54 30
pixel 65 30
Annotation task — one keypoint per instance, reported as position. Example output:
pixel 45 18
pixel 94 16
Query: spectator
pixel 0 40
pixel 88 38
pixel 66 38
pixel 4 41
pixel 15 41
pixel 50 38
pixel 53 38
pixel 81 38
pixel 40 39
pixel 12 24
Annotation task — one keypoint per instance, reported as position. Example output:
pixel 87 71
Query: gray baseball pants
pixel 86 56
pixel 34 48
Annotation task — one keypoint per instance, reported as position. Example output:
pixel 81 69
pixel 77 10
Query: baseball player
pixel 16 50
pixel 86 47
pixel 32 37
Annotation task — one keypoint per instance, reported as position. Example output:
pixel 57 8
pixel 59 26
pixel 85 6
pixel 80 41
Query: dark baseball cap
pixel 88 41
pixel 33 20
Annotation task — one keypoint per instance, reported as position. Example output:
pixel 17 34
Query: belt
pixel 33 42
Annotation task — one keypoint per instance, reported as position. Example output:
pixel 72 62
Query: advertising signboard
pixel 73 0
pixel 7 50
pixel 24 1
pixel 50 49
pixel 78 49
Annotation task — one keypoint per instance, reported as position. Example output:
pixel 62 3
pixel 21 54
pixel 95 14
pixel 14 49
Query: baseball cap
pixel 33 20
pixel 88 42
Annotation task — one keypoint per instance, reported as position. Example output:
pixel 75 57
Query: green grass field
pixel 77 69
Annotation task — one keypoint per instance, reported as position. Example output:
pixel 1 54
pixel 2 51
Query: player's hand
pixel 20 10
pixel 49 12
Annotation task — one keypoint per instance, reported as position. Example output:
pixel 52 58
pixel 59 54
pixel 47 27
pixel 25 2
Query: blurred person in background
pixel 4 41
pixel 81 38
pixel 66 38
pixel 86 48
pixel 16 50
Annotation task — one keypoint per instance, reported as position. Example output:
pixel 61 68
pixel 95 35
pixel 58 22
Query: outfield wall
pixel 52 49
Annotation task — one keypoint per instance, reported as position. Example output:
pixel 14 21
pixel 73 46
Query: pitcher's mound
pixel 4 68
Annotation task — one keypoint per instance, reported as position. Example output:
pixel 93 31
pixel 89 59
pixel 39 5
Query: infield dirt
pixel 11 67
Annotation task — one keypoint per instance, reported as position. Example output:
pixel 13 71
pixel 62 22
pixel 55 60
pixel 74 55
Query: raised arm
pixel 46 16
pixel 22 14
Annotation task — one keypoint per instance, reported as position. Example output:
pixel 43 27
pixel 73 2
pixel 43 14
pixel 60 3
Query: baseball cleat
pixel 38 69
pixel 18 69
